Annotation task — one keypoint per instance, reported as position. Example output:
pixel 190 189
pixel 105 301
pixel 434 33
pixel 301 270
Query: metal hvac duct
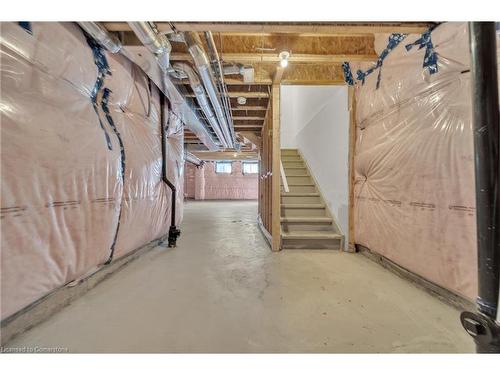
pixel 214 55
pixel 156 43
pixel 101 35
pixel 193 159
pixel 201 97
pixel 158 76
pixel 205 71
pixel 230 69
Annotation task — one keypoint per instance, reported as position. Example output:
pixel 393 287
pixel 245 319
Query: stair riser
pixel 290 227
pixel 292 164
pixel 298 180
pixel 296 200
pixel 302 189
pixel 289 152
pixel 301 212
pixel 290 158
pixel 297 170
pixel 312 244
pixel 291 174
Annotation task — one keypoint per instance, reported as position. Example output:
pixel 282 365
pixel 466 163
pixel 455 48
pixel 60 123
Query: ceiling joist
pixel 301 28
pixel 245 58
pixel 317 51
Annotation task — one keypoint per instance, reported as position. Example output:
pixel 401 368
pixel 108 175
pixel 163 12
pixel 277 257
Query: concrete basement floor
pixel 223 290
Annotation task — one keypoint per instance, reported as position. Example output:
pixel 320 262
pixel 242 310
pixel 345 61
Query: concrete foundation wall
pixel 204 183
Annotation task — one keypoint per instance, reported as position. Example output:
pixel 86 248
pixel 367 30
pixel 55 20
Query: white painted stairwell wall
pixel 315 119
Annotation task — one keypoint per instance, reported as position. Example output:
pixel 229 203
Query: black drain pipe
pixel 173 231
pixel 483 325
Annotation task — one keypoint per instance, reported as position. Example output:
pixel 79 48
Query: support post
pixel 276 162
pixel 351 247
pixel 483 325
pixel 199 184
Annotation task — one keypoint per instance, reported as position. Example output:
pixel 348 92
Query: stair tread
pixel 300 184
pixel 310 235
pixel 292 194
pixel 302 205
pixel 306 219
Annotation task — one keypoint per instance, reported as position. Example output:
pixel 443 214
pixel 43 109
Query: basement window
pixel 250 167
pixel 223 167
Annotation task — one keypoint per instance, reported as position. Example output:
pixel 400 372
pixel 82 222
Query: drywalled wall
pixel 315 119
pixel 211 185
pixel 81 159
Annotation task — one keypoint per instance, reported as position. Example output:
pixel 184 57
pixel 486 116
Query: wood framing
pixel 276 162
pixel 278 75
pixel 252 137
pixel 250 108
pixel 274 58
pixel 226 155
pixel 244 94
pixel 265 163
pixel 317 51
pixel 248 118
pixel 352 175
pixel 301 28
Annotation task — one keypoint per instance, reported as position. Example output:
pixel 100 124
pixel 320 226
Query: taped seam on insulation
pixel 64 192
pixel 414 190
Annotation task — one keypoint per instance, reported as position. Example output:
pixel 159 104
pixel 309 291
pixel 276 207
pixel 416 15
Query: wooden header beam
pixel 236 118
pixel 250 108
pixel 274 58
pixel 245 94
pixel 246 127
pixel 303 29
pixel 226 155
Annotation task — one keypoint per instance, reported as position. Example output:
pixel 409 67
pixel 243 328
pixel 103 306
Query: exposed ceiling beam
pixel 274 58
pixel 226 155
pixel 236 118
pixel 251 126
pixel 250 108
pixel 245 94
pixel 239 81
pixel 296 73
pixel 304 29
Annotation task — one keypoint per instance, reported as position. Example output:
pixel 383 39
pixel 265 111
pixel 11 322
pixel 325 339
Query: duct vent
pixel 248 74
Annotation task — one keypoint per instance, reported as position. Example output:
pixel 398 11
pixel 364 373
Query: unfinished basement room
pixel 194 185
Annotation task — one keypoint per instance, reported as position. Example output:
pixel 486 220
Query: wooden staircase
pixel 306 222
